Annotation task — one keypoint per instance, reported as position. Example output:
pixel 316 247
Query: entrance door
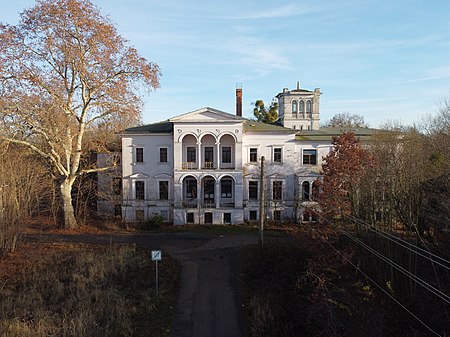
pixel 208 218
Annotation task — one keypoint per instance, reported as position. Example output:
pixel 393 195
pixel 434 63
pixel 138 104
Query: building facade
pixel 203 167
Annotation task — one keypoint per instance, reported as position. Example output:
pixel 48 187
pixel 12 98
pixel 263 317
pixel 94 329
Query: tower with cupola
pixel 299 108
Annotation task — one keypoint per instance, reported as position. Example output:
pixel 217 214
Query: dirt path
pixel 209 304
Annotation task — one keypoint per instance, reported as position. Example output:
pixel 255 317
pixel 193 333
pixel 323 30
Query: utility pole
pixel 262 198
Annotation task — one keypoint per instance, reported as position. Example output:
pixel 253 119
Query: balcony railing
pixel 208 165
pixel 208 205
pixel 190 204
pixel 227 204
pixel 188 165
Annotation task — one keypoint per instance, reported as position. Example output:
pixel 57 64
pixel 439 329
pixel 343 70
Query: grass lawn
pixel 85 290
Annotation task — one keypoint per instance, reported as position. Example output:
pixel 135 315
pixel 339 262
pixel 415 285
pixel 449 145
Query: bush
pixel 154 222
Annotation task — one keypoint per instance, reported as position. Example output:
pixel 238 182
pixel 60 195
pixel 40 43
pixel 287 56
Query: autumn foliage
pixel 342 171
pixel 66 73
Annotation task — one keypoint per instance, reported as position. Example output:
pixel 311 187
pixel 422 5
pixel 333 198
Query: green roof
pixel 160 127
pixel 254 126
pixel 327 134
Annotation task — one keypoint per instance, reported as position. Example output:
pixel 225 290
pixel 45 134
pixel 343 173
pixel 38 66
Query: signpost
pixel 156 256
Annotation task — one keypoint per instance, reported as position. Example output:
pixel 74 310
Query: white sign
pixel 156 255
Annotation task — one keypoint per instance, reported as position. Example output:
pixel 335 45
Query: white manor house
pixel 203 167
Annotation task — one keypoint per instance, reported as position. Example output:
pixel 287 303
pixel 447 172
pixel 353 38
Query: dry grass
pixel 82 290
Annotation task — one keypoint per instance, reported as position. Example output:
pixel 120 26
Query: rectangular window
pixel 306 215
pixel 163 155
pixel 140 190
pixel 253 215
pixel 226 188
pixel 139 215
pixel 190 218
pixel 117 185
pixel 226 155
pixel 118 210
pixel 209 154
pixel 253 154
pixel 277 215
pixel 277 189
pixel 253 190
pixel 309 157
pixel 163 190
pixel 190 154
pixel 139 155
pixel 277 155
pixel 227 218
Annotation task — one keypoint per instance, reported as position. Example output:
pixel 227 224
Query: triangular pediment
pixel 206 115
pixel 162 176
pixel 138 176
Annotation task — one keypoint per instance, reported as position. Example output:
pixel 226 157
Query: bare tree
pixel 345 119
pixel 24 191
pixel 65 71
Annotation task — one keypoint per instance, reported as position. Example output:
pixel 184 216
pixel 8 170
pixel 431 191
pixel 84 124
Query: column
pixel 218 155
pixel 199 193
pixel 199 155
pixel 217 194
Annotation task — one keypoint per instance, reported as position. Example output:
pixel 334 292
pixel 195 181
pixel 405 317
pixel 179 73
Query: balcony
pixel 209 165
pixel 208 205
pixel 188 165
pixel 190 204
pixel 227 204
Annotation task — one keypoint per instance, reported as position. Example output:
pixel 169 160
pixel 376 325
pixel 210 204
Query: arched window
pixel 316 189
pixel 302 106
pixel 308 107
pixel 294 107
pixel 305 190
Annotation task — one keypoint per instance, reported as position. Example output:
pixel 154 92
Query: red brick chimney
pixel 239 100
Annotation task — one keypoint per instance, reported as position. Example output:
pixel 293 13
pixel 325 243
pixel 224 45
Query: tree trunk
pixel 66 193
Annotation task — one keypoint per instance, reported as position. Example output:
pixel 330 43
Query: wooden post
pixel 261 206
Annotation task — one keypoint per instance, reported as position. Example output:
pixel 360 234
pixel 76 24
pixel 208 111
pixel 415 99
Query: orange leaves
pixel 66 71
pixel 342 171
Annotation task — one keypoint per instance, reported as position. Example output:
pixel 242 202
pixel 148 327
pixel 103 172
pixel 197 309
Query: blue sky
pixel 384 60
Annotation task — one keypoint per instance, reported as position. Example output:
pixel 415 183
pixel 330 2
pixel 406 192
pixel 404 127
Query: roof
pixel 327 134
pixel 301 90
pixel 294 91
pixel 166 127
pixel 254 126
pixel 160 127
pixel 205 114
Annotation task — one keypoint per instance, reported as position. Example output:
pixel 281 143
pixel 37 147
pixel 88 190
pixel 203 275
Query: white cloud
pixel 287 10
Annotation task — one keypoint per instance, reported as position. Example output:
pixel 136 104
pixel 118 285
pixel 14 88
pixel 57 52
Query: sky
pixel 388 61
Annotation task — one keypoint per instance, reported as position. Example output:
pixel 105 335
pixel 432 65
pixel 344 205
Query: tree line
pixel 400 177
